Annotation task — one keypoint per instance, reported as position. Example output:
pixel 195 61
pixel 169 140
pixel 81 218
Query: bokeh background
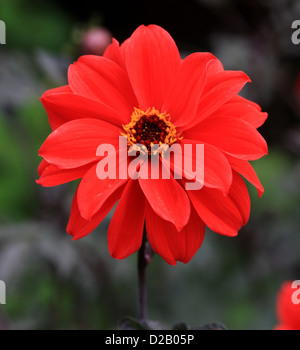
pixel 53 282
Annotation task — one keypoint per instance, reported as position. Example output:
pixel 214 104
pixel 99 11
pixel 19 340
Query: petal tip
pixel 260 192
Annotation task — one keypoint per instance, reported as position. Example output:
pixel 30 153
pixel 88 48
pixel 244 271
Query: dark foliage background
pixel 53 282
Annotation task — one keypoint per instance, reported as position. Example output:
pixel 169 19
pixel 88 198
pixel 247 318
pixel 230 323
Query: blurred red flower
pixel 95 41
pixel 288 307
pixel 186 101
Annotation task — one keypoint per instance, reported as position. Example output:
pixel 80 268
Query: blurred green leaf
pixel 279 175
pixel 181 326
pixel 15 186
pixel 129 322
pixel 35 24
pixel 213 326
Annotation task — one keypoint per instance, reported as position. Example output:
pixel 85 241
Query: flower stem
pixel 144 258
pixel 142 293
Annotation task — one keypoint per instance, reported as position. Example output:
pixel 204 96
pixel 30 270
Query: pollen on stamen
pixel 150 127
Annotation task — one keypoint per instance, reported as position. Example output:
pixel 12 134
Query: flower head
pixel 144 91
pixel 288 306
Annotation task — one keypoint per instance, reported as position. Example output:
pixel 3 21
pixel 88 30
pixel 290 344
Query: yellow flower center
pixel 150 127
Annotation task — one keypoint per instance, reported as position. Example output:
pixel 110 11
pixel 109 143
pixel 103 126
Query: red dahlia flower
pixel 143 89
pixel 288 306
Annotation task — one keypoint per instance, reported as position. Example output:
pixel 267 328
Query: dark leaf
pixel 214 326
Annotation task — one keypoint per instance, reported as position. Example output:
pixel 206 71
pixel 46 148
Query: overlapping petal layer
pixel 125 231
pixel 52 175
pixel 79 227
pixel 224 214
pixel 75 143
pixel 103 80
pixel 164 195
pixel 66 106
pixel 231 135
pixel 173 245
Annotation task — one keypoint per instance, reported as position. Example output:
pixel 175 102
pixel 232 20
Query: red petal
pixel 78 227
pixel 93 192
pixel 42 166
pixel 101 79
pixel 240 196
pixel 223 214
pixel 287 312
pixel 66 106
pixel 220 87
pixel 240 99
pixel 152 61
pixel 285 327
pixel 214 66
pixel 51 175
pixel 182 100
pixel 125 230
pixel 255 119
pixel 168 199
pixel 171 244
pixel 244 168
pixel 217 171
pixel 243 109
pixel 75 143
pixel 113 53
pixel 232 136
